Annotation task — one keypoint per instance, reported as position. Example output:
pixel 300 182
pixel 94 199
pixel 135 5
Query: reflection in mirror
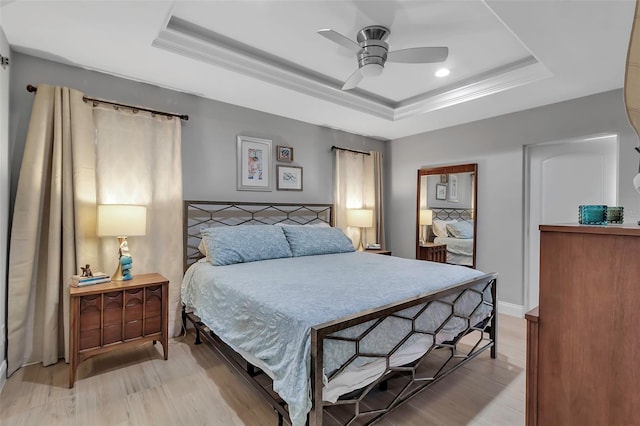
pixel 446 216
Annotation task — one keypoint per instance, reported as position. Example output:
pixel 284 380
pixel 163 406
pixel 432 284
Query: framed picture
pixel 441 191
pixel 254 164
pixel 289 178
pixel 443 178
pixel 284 153
pixel 453 188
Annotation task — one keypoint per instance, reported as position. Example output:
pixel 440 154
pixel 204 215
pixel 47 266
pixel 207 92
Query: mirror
pixel 446 215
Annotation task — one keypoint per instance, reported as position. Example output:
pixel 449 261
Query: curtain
pixel 139 161
pixel 53 226
pixel 358 185
pixel 77 157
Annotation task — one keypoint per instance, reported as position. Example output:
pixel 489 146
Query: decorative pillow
pixel 440 227
pixel 226 245
pixel 311 240
pixel 461 230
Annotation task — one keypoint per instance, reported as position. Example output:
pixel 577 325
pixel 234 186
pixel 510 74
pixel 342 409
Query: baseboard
pixel 511 309
pixel 3 374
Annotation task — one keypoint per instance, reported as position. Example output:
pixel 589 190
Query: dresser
pixel 116 315
pixel 583 340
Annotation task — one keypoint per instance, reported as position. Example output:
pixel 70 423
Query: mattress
pixel 264 311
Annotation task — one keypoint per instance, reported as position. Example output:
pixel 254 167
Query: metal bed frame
pixel 397 384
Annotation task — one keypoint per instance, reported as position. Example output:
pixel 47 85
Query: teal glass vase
pixel 592 215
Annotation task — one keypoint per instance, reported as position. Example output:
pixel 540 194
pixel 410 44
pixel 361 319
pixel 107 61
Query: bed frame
pixel 398 384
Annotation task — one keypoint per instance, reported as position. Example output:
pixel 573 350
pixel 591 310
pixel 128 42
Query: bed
pixel 461 242
pixel 321 336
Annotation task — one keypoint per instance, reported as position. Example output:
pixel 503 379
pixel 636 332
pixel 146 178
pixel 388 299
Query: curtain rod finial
pixel 31 88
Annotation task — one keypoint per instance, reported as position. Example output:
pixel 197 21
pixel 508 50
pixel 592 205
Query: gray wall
pixel 4 196
pixel 208 137
pixel 497 145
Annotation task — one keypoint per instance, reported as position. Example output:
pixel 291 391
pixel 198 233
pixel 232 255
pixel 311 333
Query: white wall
pixel 497 145
pixel 4 199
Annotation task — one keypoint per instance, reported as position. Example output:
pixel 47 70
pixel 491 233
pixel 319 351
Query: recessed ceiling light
pixel 442 72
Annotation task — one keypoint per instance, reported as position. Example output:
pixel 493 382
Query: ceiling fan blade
pixel 340 39
pixel 353 80
pixel 419 55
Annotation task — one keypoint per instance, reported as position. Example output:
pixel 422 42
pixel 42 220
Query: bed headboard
pixel 207 214
pixel 451 214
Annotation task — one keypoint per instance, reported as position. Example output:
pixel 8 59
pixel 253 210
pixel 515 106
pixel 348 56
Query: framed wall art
pixel 453 188
pixel 284 153
pixel 288 178
pixel 254 164
pixel 441 191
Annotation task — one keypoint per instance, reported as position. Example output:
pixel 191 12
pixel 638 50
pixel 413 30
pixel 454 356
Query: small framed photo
pixel 254 164
pixel 284 153
pixel 443 179
pixel 288 178
pixel 453 188
pixel 441 191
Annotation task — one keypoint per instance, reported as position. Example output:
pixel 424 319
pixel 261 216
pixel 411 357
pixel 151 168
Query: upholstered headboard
pixel 206 214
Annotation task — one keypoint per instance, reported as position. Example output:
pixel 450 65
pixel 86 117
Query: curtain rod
pixel 350 150
pixel 31 88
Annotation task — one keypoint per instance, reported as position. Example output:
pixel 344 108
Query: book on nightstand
pixel 97 278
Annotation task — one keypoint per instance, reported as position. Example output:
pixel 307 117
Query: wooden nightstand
pixel 433 252
pixel 116 315
pixel 379 251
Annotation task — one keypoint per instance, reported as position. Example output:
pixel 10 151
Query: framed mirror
pixel 446 214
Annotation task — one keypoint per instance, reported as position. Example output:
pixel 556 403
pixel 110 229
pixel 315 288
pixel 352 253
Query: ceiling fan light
pixel 371 70
pixel 442 72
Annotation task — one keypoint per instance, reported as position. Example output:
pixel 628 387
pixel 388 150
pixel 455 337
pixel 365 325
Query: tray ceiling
pixel 267 55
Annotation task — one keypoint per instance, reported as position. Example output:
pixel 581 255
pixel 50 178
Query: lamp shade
pixel 362 218
pixel 426 217
pixel 125 220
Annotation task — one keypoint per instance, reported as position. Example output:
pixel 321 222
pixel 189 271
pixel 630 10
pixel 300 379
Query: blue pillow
pixel 227 245
pixel 461 230
pixel 309 240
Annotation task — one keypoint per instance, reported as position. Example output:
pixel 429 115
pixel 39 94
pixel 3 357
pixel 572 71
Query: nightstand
pixel 433 252
pixel 117 315
pixel 379 251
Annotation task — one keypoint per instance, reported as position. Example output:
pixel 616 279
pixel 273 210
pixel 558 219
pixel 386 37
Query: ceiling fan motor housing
pixel 374 48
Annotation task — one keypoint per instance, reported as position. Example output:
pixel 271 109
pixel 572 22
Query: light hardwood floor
pixel 195 387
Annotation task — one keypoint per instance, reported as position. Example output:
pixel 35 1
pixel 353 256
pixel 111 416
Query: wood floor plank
pixel 195 387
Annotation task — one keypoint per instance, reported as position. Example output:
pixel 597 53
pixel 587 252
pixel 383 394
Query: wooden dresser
pixel 117 314
pixel 583 343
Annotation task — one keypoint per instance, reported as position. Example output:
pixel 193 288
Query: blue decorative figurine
pixel 125 261
pixel 125 264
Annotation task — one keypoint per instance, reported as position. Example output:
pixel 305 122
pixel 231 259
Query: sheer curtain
pixel 358 185
pixel 139 161
pixel 76 157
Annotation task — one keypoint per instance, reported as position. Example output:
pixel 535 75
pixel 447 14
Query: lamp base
pixel 360 244
pixel 117 275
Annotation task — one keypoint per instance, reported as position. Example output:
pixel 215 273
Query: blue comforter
pixel 267 308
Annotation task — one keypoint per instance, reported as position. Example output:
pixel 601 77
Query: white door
pixel 560 177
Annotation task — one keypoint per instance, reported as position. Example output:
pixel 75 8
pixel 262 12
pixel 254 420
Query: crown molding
pixel 189 40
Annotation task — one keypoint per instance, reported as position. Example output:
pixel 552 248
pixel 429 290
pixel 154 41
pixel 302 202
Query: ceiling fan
pixel 373 52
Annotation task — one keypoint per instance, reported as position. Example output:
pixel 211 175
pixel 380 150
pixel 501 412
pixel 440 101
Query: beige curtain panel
pixel 76 157
pixel 53 222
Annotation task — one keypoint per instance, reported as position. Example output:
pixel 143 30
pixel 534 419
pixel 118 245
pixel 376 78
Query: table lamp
pixel 120 220
pixel 360 218
pixel 426 219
